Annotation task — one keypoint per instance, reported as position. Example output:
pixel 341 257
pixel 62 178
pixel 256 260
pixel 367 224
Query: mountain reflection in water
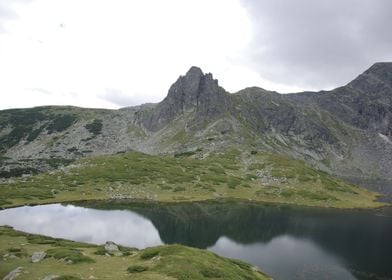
pixel 286 242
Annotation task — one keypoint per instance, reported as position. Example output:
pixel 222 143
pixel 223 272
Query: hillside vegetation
pixel 70 260
pixel 246 175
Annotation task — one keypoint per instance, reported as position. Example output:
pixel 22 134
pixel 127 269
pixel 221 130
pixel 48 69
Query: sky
pixel 119 53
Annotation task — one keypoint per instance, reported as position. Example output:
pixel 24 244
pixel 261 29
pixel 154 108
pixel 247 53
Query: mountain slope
pixel 346 131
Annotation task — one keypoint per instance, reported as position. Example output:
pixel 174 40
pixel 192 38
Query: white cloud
pixel 76 50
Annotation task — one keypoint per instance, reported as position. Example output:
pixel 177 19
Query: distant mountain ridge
pixel 346 131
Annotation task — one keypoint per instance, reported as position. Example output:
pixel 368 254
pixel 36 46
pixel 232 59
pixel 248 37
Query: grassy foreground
pixel 252 176
pixel 74 260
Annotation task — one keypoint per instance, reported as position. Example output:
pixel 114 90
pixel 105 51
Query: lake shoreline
pixel 78 260
pixel 216 200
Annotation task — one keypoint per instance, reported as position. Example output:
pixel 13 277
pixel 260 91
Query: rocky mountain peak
pixel 186 91
pixel 194 71
pixel 378 78
pixel 194 92
pixel 380 69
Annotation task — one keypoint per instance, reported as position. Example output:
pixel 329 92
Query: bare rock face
pixel 184 93
pixel 195 92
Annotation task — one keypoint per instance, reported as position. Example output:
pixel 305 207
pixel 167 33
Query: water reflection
pixel 286 257
pixel 286 242
pixel 357 242
pixel 83 224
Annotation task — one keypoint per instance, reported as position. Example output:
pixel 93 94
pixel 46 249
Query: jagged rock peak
pixel 187 90
pixel 194 71
pixel 194 92
pixel 193 79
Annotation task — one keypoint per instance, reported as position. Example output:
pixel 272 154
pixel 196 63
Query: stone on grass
pixel 37 257
pixel 112 248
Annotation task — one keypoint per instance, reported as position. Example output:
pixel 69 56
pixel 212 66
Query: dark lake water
pixel 286 242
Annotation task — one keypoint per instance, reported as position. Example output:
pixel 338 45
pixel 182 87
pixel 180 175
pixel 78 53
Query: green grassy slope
pixel 252 176
pixel 73 260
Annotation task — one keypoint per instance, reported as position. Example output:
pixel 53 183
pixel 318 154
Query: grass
pixel 149 253
pixel 170 262
pixel 17 252
pixel 56 242
pixel 243 175
pixel 69 255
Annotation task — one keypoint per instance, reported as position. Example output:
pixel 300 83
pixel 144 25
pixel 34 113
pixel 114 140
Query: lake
pixel 285 242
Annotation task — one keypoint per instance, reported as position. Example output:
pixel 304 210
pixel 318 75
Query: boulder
pixel 112 248
pixel 37 257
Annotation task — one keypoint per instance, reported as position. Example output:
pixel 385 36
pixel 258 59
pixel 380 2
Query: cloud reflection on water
pixel 286 257
pixel 83 224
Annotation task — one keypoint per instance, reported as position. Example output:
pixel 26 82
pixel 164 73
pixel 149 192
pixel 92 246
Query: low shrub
pixel 149 253
pixel 137 269
pixel 68 254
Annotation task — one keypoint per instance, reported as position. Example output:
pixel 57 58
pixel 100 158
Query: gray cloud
pixel 318 43
pixel 7 11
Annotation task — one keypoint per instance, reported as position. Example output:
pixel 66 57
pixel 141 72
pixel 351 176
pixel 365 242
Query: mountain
pixel 346 132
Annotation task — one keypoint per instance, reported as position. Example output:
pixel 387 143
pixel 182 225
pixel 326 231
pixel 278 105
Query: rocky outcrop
pixel 195 92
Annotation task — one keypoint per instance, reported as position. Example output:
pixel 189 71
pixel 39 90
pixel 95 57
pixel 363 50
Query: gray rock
pixel 37 257
pixel 13 274
pixel 112 248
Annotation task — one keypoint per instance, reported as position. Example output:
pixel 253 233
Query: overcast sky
pixel 117 53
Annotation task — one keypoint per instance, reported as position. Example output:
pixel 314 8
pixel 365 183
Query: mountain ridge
pixel 345 131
